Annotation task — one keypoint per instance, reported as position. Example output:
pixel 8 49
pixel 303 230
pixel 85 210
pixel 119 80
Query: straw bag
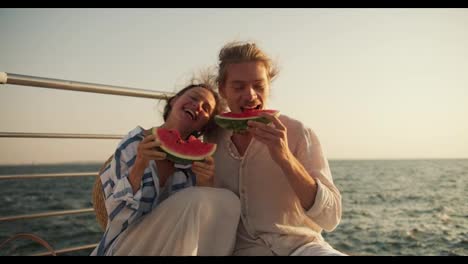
pixel 98 197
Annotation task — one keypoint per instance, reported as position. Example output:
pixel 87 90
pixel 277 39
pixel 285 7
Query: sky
pixel 371 83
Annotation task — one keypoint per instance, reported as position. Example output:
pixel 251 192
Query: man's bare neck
pixel 241 141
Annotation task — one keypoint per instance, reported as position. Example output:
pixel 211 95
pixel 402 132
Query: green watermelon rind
pixel 239 124
pixel 181 158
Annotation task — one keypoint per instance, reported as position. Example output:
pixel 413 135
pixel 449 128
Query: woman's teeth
pixel 190 113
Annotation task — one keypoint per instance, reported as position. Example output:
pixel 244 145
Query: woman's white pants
pixel 195 221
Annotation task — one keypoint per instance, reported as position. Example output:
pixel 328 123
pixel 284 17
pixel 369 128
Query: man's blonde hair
pixel 239 51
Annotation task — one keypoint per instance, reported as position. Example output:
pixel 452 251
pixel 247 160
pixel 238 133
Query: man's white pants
pixel 317 248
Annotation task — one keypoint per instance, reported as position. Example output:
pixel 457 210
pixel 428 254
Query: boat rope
pixel 33 237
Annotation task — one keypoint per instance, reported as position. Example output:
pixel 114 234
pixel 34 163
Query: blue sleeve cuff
pixel 123 192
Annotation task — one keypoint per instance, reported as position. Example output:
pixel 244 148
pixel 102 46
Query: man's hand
pixel 274 137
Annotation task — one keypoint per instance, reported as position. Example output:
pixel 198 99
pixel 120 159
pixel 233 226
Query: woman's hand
pixel 204 170
pixel 147 151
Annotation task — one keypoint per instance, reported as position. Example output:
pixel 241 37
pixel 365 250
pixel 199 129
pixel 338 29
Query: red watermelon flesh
pixel 181 151
pixel 248 114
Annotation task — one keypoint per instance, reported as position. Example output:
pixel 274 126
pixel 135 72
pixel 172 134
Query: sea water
pixel 390 207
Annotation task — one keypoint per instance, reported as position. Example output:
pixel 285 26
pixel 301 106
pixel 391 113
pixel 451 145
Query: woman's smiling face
pixel 192 110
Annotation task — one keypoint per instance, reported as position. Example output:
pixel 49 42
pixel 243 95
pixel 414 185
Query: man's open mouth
pixel 251 108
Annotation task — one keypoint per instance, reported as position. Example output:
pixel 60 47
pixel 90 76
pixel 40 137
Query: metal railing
pixel 33 81
pixel 46 214
pixel 57 135
pixel 26 80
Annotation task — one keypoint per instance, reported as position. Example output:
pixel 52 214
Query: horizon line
pixel 330 159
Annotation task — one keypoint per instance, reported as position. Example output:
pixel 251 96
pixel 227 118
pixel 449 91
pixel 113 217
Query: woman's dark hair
pixel 217 109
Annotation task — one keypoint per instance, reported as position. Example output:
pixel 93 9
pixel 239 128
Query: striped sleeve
pixel 182 178
pixel 117 189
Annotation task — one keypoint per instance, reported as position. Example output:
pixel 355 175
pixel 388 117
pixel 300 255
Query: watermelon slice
pixel 180 151
pixel 238 121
